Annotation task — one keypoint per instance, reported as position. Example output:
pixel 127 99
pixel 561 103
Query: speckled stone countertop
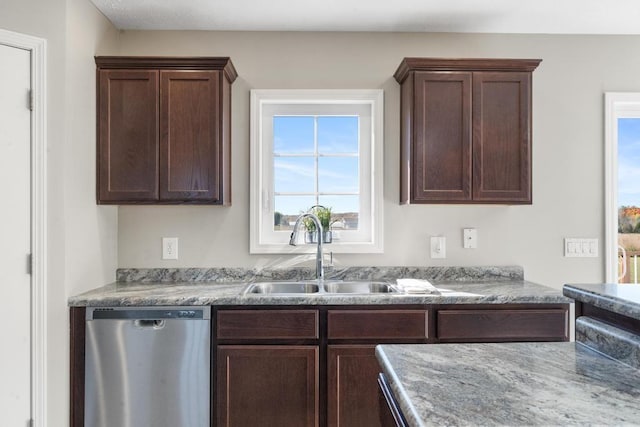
pixel 510 384
pixel 149 293
pixel 618 341
pixel 473 285
pixel 621 299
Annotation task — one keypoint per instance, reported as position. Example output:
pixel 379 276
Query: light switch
pixel 169 248
pixel 470 238
pixel 580 248
pixel 438 247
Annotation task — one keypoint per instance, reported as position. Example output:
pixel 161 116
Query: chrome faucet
pixel 294 236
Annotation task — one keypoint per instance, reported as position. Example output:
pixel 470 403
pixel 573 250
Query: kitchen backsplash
pixel 225 275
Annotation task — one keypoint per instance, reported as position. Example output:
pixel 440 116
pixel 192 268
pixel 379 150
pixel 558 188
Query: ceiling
pixel 467 16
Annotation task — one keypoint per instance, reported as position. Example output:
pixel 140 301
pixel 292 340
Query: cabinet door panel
pixel 501 137
pixel 128 136
pixel 190 140
pixel 267 386
pixel 353 394
pixel 442 138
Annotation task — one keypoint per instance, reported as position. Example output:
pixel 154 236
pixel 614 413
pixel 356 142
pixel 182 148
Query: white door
pixel 622 186
pixel 15 232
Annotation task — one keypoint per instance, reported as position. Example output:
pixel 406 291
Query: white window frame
pixel 617 105
pixel 268 102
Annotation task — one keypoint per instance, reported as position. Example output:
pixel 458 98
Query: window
pixel 316 147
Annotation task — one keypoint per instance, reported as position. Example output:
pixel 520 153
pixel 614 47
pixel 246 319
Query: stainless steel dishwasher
pixel 147 366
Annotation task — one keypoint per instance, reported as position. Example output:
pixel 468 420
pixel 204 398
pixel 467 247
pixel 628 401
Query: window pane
pixel 288 208
pixel 294 174
pixel 338 134
pixel 338 174
pixel 344 210
pixel 293 134
pixel 629 198
pixel 628 162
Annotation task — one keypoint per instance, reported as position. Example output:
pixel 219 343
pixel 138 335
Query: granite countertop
pixel 212 293
pixel 620 339
pixel 510 384
pixel 224 286
pixel 622 299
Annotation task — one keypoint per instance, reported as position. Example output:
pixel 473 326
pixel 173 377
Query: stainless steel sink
pixel 282 288
pixel 319 288
pixel 356 287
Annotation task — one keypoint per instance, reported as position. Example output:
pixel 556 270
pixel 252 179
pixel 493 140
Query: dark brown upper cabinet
pixel 164 130
pixel 465 130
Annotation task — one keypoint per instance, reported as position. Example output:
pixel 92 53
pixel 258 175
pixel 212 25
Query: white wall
pixel 567 148
pixel 90 239
pixel 81 236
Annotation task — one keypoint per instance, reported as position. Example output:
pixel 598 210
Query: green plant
pixel 323 214
pixel 309 225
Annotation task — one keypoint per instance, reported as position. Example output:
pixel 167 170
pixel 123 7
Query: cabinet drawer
pixel 502 325
pixel 267 324
pixel 377 324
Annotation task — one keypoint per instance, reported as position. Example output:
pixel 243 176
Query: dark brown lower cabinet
pixel 267 385
pixel 316 366
pixel 353 397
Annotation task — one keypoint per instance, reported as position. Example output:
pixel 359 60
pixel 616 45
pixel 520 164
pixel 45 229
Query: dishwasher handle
pixel 149 313
pixel 149 324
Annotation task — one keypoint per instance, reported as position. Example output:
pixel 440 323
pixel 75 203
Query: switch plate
pixel 580 248
pixel 470 238
pixel 438 247
pixel 169 248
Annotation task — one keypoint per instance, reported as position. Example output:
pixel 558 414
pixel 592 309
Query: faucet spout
pixel 294 237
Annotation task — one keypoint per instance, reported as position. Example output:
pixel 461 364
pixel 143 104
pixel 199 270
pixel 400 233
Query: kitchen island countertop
pixel 623 299
pixel 510 384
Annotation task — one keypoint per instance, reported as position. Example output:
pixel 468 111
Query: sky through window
pixel 629 162
pixel 316 161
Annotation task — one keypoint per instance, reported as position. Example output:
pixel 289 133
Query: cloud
pixel 292 169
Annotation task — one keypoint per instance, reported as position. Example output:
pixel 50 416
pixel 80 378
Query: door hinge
pixel 30 100
pixel 29 265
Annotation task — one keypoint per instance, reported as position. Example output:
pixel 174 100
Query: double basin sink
pixel 320 287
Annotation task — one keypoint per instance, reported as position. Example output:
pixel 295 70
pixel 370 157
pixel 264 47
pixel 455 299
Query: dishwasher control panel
pixel 150 313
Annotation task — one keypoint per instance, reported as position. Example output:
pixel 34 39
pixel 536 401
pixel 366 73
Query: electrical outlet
pixel 470 238
pixel 169 248
pixel 438 247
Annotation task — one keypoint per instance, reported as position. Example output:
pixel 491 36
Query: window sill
pixel 308 248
